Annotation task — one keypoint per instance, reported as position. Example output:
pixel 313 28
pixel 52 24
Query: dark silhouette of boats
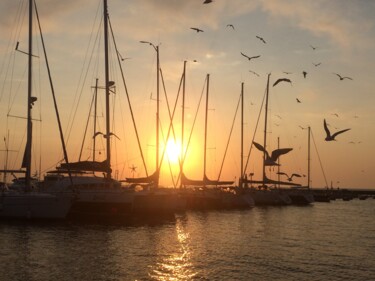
pixel 266 192
pixel 22 199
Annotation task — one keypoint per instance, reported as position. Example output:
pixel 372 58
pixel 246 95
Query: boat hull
pixel 34 205
pixel 269 197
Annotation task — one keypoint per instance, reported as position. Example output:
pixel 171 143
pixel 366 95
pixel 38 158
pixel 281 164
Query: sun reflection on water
pixel 176 265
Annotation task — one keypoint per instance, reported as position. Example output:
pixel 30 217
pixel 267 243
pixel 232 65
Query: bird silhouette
pixel 317 64
pixel 314 48
pixel 250 58
pixel 207 1
pixel 196 29
pixel 230 25
pixel 335 115
pixel 261 39
pixel 304 74
pixel 271 160
pixel 343 77
pixel 289 178
pixel 281 80
pixel 329 136
pixel 286 72
pixel 298 100
pixel 253 72
pixel 105 136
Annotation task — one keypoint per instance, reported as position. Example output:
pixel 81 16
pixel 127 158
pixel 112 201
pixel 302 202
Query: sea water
pixel 323 241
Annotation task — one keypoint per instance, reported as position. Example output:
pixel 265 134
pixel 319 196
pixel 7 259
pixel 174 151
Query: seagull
pixel 207 1
pixel 291 177
pixel 121 57
pixel 196 29
pixel 298 100
pixel 253 72
pixel 302 127
pixel 230 25
pixel 105 136
pixel 317 64
pixel 271 160
pixel 314 48
pixel 249 58
pixel 304 74
pixel 281 80
pixel 335 115
pixel 261 39
pixel 287 73
pixel 343 77
pixel 329 136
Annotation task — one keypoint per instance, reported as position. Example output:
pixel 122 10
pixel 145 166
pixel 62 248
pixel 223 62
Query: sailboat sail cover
pixel 26 157
pixel 150 179
pixel 92 166
pixel 206 181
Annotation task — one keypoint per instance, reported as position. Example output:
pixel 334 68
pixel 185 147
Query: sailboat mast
pixel 242 100
pixel 205 132
pixel 308 157
pixel 157 114
pixel 95 108
pixel 278 162
pixel 182 123
pixel 27 158
pixel 265 128
pixel 107 92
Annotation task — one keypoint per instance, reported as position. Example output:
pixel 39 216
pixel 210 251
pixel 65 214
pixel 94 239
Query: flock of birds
pixel 271 160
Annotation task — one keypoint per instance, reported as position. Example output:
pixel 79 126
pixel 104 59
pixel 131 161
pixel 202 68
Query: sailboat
pixel 106 197
pixel 302 195
pixel 23 200
pixel 264 194
pixel 97 196
pixel 213 194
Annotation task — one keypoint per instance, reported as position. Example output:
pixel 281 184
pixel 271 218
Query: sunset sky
pixel 320 37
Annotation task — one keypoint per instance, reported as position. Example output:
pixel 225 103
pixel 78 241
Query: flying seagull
pixel 343 77
pixel 329 136
pixel 314 48
pixel 196 29
pixel 317 64
pixel 105 136
pixel 281 80
pixel 230 25
pixel 335 115
pixel 207 1
pixel 286 72
pixel 304 74
pixel 298 100
pixel 249 58
pixel 261 39
pixel 291 177
pixel 253 72
pixel 271 160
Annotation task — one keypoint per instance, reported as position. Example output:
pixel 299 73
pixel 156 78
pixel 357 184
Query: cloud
pixel 337 20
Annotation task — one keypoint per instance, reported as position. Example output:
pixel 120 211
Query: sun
pixel 173 150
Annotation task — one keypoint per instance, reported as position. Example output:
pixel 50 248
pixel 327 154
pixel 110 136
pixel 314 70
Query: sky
pixel 321 38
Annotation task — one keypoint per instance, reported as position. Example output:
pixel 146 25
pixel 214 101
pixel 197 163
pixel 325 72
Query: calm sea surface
pixel 324 241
